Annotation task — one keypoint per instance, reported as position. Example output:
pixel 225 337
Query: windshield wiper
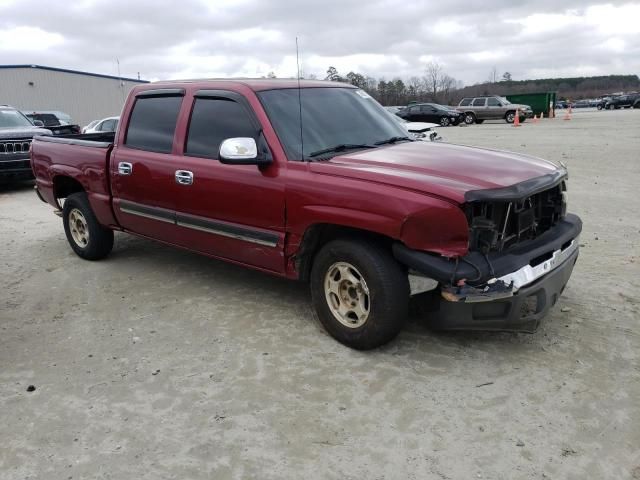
pixel 340 148
pixel 393 140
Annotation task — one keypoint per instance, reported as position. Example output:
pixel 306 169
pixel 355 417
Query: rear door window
pixel 214 120
pixel 479 102
pixel 153 123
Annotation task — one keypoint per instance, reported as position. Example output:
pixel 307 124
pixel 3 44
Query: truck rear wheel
pixel 360 293
pixel 87 237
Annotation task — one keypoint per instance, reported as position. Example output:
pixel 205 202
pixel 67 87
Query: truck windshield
pixel 12 118
pixel 331 117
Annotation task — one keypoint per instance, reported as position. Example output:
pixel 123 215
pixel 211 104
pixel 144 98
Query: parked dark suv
pixel 431 112
pixel 624 101
pixel 16 133
pixel 479 109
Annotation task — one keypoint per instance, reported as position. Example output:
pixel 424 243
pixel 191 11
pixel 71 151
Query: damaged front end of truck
pixel 522 248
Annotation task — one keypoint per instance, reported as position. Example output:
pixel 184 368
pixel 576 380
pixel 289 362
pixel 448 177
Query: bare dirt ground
pixel 160 364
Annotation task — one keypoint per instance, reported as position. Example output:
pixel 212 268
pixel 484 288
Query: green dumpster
pixel 539 102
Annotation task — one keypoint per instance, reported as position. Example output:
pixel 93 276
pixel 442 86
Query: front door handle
pixel 125 168
pixel 184 177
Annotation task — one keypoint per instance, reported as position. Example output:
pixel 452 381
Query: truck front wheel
pixel 360 293
pixel 87 237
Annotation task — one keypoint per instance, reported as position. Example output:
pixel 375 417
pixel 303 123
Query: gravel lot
pixel 160 364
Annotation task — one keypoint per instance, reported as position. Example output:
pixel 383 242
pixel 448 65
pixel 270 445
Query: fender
pixel 100 201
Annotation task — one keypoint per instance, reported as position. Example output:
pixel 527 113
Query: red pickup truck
pixel 317 182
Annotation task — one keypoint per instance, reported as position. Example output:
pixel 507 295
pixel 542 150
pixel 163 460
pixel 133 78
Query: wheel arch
pixel 65 185
pixel 319 234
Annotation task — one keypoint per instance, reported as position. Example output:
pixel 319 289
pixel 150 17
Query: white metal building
pixel 84 96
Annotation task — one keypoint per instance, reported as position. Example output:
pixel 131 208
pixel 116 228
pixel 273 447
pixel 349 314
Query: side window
pixel 493 102
pixel 414 110
pixel 465 102
pixel 108 126
pixel 153 123
pixel 214 120
pixel 479 102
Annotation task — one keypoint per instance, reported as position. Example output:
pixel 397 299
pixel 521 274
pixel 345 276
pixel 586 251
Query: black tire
pixel 444 121
pixel 479 122
pixel 599 107
pixel 612 107
pixel 99 240
pixel 469 118
pixel 386 282
pixel 509 117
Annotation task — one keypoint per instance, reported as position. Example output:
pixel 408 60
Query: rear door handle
pixel 184 177
pixel 125 168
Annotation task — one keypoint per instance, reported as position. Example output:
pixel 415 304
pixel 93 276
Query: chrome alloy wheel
pixel 347 294
pixel 79 228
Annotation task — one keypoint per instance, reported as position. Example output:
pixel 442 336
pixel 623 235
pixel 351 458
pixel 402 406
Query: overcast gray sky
pixel 388 38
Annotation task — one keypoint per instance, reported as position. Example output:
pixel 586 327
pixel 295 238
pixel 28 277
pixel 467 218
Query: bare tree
pixel 433 78
pixel 506 77
pixel 447 84
pixel 372 84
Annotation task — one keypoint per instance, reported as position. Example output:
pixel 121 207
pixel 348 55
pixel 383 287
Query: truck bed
pixel 56 160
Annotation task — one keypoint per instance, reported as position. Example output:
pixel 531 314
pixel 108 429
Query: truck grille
pixel 496 226
pixel 12 147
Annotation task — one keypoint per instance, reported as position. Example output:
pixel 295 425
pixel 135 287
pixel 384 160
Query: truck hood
pixel 440 169
pixel 22 132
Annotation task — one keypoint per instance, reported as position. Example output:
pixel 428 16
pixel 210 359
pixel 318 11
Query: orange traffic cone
pixel 567 115
pixel 516 119
pixel 535 119
pixel 541 115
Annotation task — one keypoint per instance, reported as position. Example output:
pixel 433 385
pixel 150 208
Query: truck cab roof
pixel 255 84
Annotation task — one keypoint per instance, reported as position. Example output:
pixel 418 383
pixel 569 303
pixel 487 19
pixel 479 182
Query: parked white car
pixel 420 130
pixel 109 124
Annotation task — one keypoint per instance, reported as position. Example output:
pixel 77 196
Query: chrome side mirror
pixel 241 151
pixel 240 148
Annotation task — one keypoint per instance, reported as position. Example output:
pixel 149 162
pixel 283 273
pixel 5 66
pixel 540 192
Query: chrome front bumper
pixel 528 274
